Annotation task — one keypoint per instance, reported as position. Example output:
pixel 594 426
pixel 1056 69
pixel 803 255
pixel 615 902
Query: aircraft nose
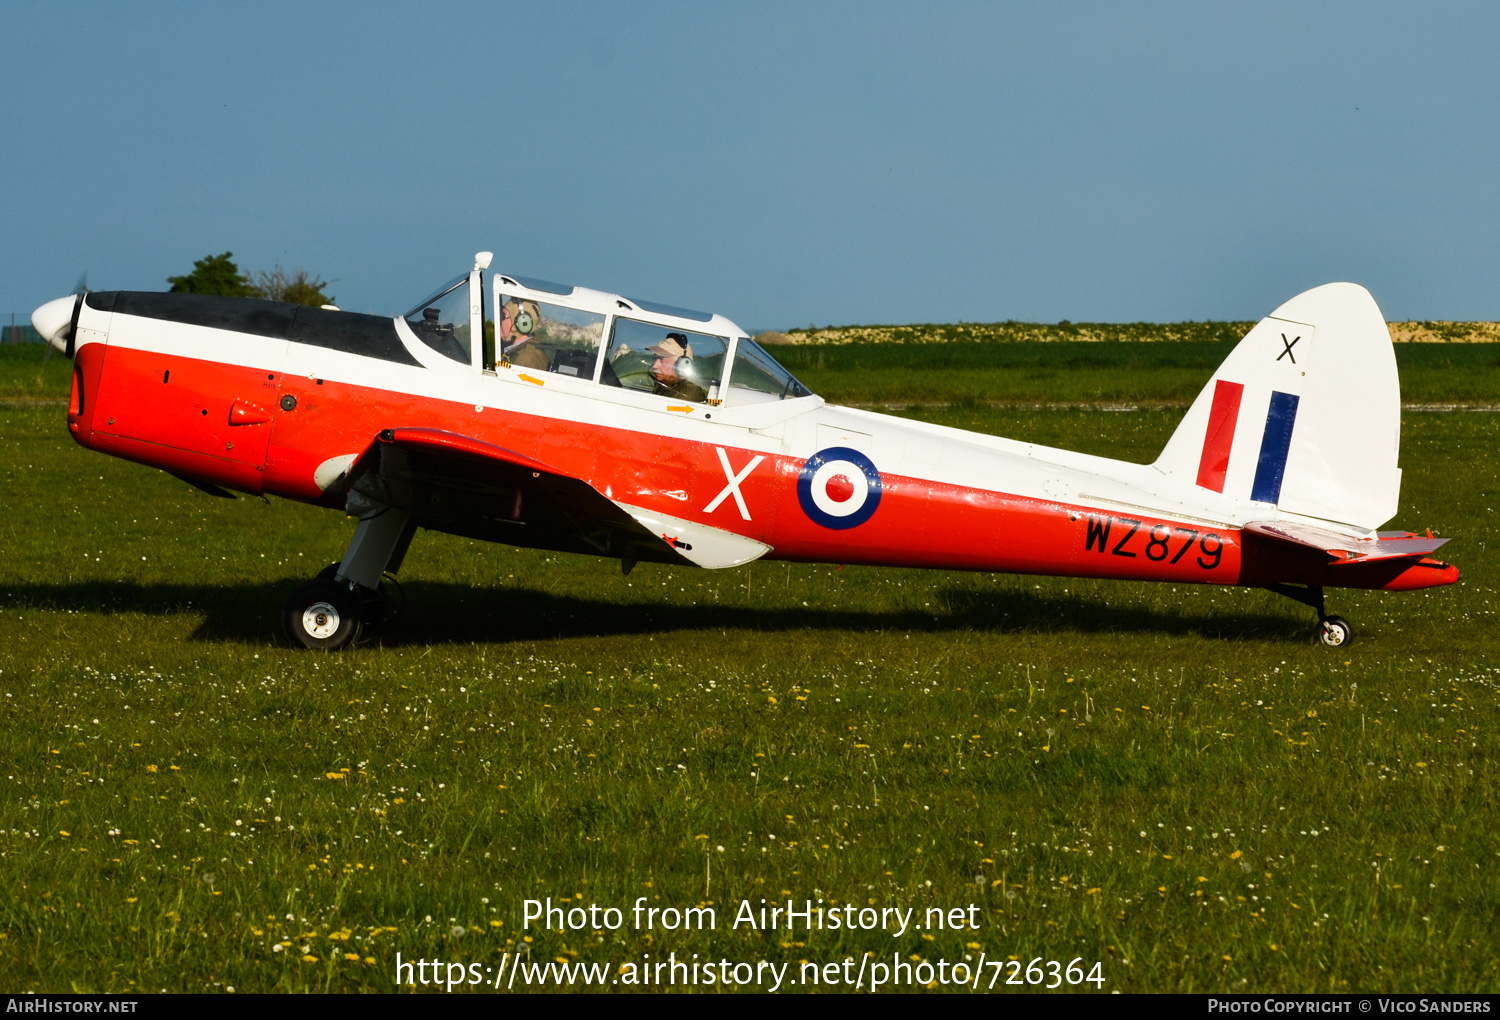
pixel 52 320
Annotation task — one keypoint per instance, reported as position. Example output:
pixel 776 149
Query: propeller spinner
pixel 55 321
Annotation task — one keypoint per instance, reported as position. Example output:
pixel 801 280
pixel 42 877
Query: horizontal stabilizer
pixel 1390 545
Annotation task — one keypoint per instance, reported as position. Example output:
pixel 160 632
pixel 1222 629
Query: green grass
pixel 1172 781
pixel 28 372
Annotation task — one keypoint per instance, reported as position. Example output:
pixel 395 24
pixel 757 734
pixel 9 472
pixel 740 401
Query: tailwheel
pixel 1335 632
pixel 323 614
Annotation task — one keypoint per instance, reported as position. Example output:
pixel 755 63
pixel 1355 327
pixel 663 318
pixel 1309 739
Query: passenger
pixel 520 319
pixel 674 360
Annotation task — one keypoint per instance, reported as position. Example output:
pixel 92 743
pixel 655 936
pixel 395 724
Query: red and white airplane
pixel 536 414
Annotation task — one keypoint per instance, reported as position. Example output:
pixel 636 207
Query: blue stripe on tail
pixel 1274 445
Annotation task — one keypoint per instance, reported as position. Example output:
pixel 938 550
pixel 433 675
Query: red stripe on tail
pixel 1219 439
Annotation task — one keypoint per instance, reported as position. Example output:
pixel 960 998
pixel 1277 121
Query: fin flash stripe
pixel 1219 439
pixel 1275 443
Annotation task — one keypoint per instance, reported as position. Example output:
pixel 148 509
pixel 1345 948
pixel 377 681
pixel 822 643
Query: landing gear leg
pixel 347 600
pixel 1333 631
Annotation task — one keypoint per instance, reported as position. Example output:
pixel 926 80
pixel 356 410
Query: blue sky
pixel 784 164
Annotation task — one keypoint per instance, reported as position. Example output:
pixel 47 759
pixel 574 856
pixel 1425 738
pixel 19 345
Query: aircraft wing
pixel 1388 545
pixel 465 486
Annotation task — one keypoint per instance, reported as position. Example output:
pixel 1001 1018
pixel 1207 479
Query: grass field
pixel 28 372
pixel 1173 782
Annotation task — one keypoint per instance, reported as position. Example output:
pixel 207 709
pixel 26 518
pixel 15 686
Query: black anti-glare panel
pixel 371 336
pixel 242 315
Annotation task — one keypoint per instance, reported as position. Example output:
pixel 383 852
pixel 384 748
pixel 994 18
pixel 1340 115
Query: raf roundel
pixel 839 488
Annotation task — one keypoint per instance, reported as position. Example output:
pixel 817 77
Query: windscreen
pixel 757 377
pixel 442 321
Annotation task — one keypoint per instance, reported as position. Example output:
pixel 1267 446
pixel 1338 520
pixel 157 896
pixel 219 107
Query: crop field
pixel 1175 783
pixel 1167 374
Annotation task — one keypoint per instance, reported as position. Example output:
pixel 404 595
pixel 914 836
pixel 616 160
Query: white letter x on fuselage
pixel 733 488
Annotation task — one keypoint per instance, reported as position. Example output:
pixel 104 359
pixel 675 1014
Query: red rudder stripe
pixel 1219 439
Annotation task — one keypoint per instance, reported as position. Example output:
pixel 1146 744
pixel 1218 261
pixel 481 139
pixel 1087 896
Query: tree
pixel 214 274
pixel 295 288
pixel 217 274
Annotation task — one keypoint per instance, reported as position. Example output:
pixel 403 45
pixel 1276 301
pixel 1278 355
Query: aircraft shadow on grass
pixel 443 613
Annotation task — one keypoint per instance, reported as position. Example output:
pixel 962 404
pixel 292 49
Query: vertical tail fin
pixel 1304 415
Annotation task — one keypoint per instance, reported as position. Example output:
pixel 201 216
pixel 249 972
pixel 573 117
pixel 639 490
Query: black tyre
pixel 1335 632
pixel 323 615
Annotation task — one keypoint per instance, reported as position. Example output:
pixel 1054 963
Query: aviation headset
pixel 525 316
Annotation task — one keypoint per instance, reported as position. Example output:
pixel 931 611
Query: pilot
pixel 518 325
pixel 673 364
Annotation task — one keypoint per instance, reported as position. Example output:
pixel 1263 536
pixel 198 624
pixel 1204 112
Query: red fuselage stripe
pixel 1218 441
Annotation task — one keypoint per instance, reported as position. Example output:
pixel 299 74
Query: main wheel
pixel 375 607
pixel 1335 632
pixel 323 615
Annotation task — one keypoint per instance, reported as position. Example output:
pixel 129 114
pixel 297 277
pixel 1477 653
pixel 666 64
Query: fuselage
pixel 286 407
